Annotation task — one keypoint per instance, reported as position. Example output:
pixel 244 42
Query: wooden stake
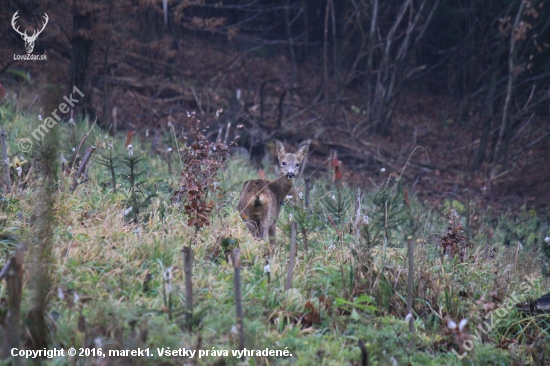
pixel 292 255
pixel 227 133
pixel 155 143
pixel 267 269
pixel 308 188
pixel 358 198
pixel 410 285
pixel 219 138
pixel 114 114
pixel 333 163
pixel 330 169
pixel 13 272
pixel 238 296
pixel 188 270
pixel 5 161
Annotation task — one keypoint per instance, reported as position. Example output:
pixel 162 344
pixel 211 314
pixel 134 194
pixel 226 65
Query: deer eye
pixel 283 163
pixel 297 165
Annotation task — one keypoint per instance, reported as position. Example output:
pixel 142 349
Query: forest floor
pixel 145 87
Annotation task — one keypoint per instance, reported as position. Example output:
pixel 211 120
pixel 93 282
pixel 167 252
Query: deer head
pixel 290 163
pixel 29 40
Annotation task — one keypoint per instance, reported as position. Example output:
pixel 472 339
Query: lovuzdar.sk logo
pixel 29 39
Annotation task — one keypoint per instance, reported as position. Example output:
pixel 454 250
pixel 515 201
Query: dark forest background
pixel 467 80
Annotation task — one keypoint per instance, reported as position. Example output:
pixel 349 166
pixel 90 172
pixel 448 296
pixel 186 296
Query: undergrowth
pixel 107 265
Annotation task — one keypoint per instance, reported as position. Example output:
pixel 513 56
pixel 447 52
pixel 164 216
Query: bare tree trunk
pixel 81 48
pixel 488 114
pixel 290 46
pixel 106 68
pixel 370 55
pixel 512 73
pixel 335 106
pixel 388 61
pixel 325 51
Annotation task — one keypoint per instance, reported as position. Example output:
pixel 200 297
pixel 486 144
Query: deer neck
pixel 281 187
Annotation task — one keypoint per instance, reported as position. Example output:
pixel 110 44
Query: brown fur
pixel 261 200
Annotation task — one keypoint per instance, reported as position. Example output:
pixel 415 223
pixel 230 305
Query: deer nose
pixel 290 175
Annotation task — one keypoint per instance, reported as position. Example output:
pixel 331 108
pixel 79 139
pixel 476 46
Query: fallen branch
pixel 82 167
pixel 77 150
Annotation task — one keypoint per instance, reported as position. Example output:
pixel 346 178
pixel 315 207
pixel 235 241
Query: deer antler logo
pixel 29 40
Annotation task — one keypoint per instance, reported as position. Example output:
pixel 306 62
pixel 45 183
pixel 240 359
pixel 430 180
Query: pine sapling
pixel 136 198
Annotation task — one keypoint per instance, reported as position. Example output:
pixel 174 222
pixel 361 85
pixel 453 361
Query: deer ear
pixel 280 149
pixel 302 152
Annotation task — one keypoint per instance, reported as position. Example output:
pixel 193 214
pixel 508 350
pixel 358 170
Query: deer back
pixel 258 198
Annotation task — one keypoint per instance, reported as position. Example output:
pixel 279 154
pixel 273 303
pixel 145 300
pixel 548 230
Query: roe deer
pixel 261 200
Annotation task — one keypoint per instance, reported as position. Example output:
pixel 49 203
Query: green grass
pixel 101 260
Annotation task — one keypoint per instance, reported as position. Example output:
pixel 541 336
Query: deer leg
pixel 252 227
pixel 272 231
pixel 264 229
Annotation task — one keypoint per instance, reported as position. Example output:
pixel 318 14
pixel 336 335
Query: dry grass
pixel 100 262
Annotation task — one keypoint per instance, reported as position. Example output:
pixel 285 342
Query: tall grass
pixel 106 273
